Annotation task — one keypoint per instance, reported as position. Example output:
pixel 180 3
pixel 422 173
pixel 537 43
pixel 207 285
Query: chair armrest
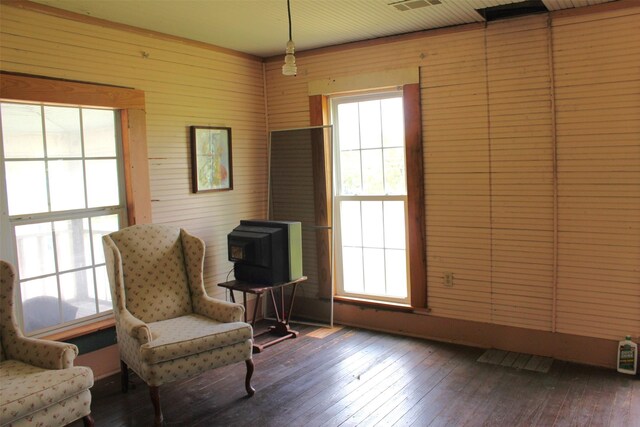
pixel 222 311
pixel 134 327
pixel 43 353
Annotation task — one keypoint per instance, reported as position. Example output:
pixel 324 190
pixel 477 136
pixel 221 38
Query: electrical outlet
pixel 448 279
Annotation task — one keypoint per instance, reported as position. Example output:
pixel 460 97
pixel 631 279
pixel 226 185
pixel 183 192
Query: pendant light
pixel 289 68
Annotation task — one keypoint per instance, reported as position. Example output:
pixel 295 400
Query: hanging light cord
pixel 289 68
pixel 289 14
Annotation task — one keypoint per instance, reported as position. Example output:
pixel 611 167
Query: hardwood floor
pixel 355 377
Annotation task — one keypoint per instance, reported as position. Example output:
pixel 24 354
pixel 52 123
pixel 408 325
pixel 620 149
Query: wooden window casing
pixel 415 195
pixel 318 107
pixel 131 105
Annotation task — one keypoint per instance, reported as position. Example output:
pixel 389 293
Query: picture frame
pixel 211 160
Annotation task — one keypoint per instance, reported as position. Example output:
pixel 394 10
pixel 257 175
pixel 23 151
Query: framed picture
pixel 211 159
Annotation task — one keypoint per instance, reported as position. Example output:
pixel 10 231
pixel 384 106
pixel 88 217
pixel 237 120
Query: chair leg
pixel 124 376
pixel 88 421
pixel 154 392
pixel 247 382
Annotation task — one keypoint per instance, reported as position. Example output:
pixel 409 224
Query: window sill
pixel 79 331
pixel 383 305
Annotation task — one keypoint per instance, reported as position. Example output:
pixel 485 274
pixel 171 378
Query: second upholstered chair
pixel 168 327
pixel 39 386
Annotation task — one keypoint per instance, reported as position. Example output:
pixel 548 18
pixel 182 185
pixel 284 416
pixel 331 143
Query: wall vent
pixel 405 5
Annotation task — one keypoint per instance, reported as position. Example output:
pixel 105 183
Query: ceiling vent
pixel 405 5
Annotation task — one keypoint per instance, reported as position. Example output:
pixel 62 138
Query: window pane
pixel 73 244
pixel 392 122
pixel 370 125
pixel 66 184
pixel 372 172
pixel 372 228
pixel 372 224
pixel 78 295
pixel 394 230
pixel 26 187
pixel 100 226
pixel 352 273
pixel 46 286
pixel 396 272
pixel 374 276
pixel 394 174
pixel 22 131
pixel 40 303
pixel 104 292
pixel 35 250
pixel 348 129
pixel 102 183
pixel 99 133
pixel 62 126
pixel 48 173
pixel 351 230
pixel 350 172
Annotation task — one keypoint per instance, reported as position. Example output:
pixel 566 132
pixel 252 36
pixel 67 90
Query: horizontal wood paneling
pixel 457 182
pixel 518 76
pixel 497 104
pixel 598 110
pixel 183 85
pixel 492 122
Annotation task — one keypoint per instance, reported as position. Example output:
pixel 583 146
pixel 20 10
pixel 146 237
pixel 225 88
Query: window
pixel 63 189
pixel 371 197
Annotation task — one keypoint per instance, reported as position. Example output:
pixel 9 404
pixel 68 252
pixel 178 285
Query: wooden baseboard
pixel 573 348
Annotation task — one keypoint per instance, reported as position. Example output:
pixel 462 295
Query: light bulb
pixel 289 68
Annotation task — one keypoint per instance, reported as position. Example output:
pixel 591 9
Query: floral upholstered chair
pixel 39 386
pixel 168 327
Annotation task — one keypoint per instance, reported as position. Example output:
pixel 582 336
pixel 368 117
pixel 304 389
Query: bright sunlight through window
pixel 63 192
pixel 371 197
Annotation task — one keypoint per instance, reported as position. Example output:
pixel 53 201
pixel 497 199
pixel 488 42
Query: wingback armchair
pixel 39 386
pixel 168 328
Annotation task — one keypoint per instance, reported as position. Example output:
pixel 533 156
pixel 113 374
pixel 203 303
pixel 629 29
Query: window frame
pixel 340 291
pixel 130 106
pixel 11 222
pixel 338 198
pixel 319 115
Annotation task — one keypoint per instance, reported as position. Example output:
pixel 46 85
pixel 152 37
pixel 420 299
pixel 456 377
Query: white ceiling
pixel 260 27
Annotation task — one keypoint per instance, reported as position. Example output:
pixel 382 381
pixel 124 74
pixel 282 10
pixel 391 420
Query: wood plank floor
pixel 357 377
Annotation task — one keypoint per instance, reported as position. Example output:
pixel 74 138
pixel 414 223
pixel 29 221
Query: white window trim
pixel 338 248
pixel 337 199
pixel 8 246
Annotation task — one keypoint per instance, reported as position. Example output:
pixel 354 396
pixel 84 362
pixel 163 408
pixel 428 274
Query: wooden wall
pixel 531 136
pixel 185 84
pixel 531 149
pixel 597 74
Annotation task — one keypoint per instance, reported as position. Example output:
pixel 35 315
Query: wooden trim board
pixel 415 194
pixel 573 348
pixel 54 91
